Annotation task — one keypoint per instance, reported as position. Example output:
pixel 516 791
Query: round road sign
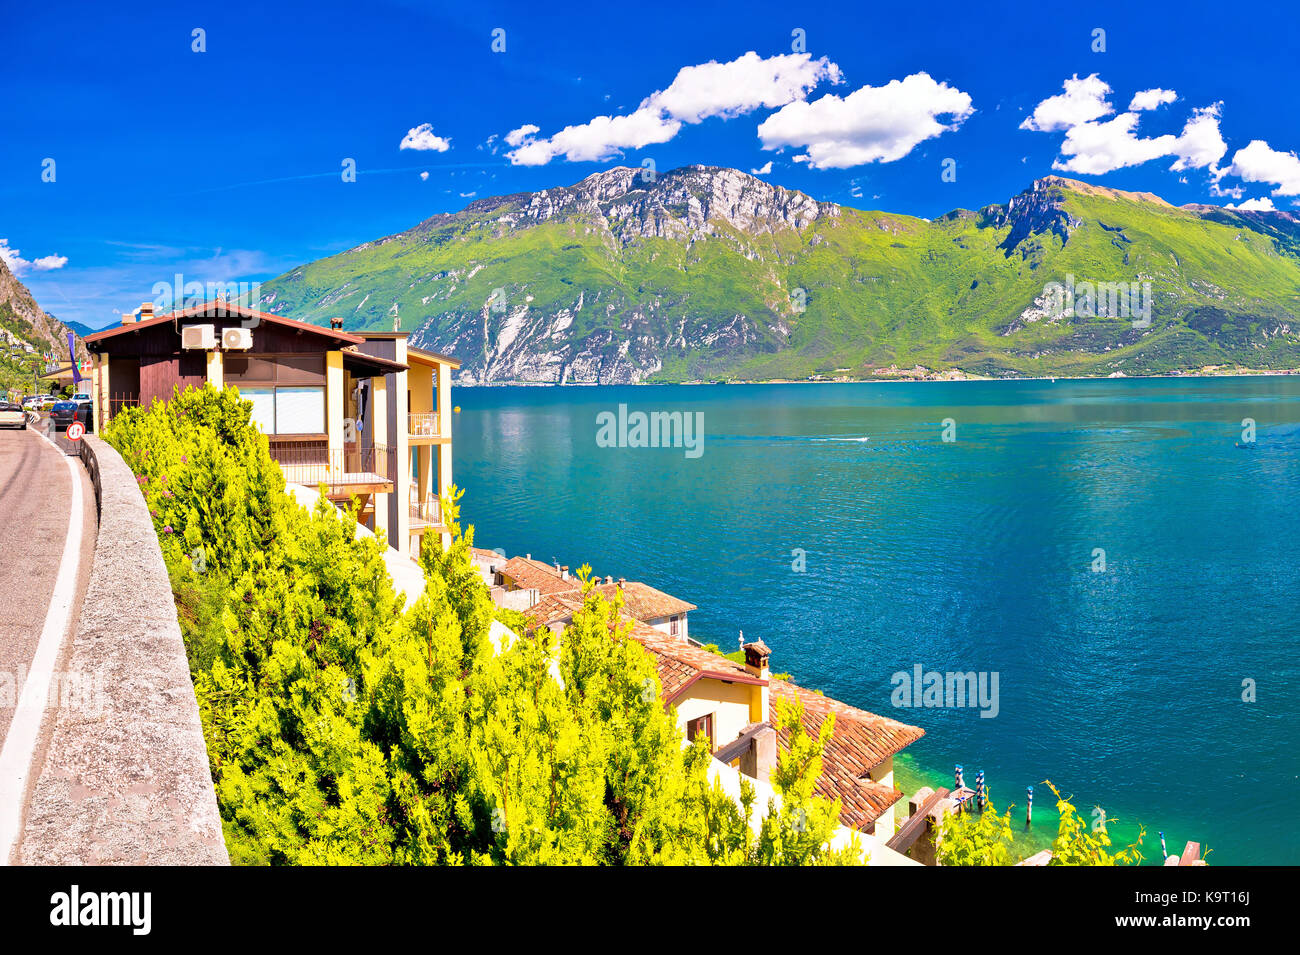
pixel 76 430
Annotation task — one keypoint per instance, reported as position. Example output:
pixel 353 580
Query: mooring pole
pixel 1029 808
pixel 1163 851
pixel 980 798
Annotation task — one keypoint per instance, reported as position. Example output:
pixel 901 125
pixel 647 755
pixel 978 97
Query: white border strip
pixel 20 743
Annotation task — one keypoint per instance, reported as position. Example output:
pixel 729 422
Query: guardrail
pixel 313 464
pixel 132 785
pixel 428 511
pixel 424 424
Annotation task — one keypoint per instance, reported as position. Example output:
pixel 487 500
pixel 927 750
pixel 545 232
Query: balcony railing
pixel 426 512
pixel 339 469
pixel 424 424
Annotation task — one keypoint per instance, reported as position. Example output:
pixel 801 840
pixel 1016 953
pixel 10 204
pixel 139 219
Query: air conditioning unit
pixel 199 336
pixel 237 339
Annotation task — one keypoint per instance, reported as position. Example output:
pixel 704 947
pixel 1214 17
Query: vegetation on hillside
pixel 341 729
pixel 848 294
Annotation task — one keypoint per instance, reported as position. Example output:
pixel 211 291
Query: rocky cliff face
pixel 1036 211
pixel 683 204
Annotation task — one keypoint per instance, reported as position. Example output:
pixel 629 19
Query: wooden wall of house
pixel 162 339
pixel 159 374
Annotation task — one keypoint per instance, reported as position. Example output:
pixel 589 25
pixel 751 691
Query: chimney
pixel 757 655
pixel 609 579
pixel 128 318
pixel 759 760
pixel 621 582
pixel 336 324
pixel 146 311
pixel 528 556
pixel 564 573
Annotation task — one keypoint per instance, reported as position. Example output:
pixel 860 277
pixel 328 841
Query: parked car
pixel 85 410
pixel 63 414
pixel 12 415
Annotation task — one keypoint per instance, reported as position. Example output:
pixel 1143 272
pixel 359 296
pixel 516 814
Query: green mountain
pixel 707 273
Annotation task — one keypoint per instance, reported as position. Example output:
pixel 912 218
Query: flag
pixel 72 358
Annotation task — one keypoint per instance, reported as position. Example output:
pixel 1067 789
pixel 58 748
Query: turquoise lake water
pixel 1123 686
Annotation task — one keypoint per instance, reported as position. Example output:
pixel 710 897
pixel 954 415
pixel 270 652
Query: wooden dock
pixel 916 824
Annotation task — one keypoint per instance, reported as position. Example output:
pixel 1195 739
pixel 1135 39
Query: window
pixel 702 726
pixel 287 391
pixel 293 410
pixel 299 410
pixel 675 626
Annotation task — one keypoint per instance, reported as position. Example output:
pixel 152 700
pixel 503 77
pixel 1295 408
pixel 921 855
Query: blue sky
pixel 225 165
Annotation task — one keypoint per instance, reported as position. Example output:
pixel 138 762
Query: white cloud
pixel 1083 101
pixel 516 136
pixel 724 90
pixel 1093 147
pixel 1200 144
pixel 1151 99
pixel 872 124
pixel 18 265
pixel 1263 204
pixel 601 138
pixel 1219 191
pixel 763 170
pixel 742 86
pixel 422 137
pixel 1096 148
pixel 1259 162
pixel 424 176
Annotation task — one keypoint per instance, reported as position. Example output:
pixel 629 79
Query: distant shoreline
pixel 892 379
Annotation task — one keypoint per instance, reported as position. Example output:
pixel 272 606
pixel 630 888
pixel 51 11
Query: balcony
pixel 424 424
pixel 344 471
pixel 426 514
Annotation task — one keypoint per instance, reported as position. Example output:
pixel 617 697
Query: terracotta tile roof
pixel 645 602
pixel 555 608
pixel 639 600
pixel 526 572
pixel 860 741
pixel 681 663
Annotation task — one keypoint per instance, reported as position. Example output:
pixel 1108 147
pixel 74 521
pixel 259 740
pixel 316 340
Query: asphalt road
pixel 35 497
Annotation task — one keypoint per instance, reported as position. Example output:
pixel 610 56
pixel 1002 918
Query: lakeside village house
pixel 369 416
pixel 733 704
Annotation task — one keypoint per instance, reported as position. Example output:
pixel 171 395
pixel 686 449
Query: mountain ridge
pixel 705 272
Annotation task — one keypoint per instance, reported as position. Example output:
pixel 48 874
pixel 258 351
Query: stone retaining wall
pixel 126 777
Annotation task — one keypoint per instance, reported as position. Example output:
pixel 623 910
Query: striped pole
pixel 1163 851
pixel 1029 808
pixel 958 775
pixel 980 797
